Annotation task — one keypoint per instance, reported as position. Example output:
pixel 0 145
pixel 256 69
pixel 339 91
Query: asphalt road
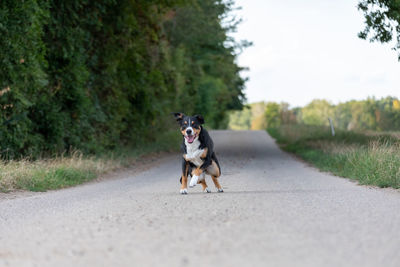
pixel 275 211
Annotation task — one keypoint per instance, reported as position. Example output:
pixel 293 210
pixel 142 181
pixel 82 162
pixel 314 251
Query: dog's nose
pixel 189 131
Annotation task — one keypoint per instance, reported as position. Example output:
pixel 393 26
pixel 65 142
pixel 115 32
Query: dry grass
pixel 76 168
pixel 53 173
pixel 332 147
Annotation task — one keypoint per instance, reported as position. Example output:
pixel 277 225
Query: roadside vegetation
pixel 74 167
pixel 102 77
pixel 366 145
pixel 372 159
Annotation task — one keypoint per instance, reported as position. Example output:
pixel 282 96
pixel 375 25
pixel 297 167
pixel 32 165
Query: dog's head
pixel 190 126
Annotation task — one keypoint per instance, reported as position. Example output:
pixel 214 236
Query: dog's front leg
pixel 185 172
pixel 198 174
pixel 186 157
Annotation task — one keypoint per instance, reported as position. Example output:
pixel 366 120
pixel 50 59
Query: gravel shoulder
pixel 275 211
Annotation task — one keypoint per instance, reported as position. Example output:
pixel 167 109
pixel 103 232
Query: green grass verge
pixel 76 168
pixel 369 159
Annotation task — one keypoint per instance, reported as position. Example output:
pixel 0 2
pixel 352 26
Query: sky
pixel 309 49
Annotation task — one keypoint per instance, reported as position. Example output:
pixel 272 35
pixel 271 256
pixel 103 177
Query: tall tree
pixel 213 84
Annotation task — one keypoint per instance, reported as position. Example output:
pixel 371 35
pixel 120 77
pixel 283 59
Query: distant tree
pixel 317 112
pixel 370 114
pixel 272 115
pixel 389 111
pixel 342 115
pixel 363 115
pixel 287 115
pixel 258 121
pixel 240 119
pixel 382 21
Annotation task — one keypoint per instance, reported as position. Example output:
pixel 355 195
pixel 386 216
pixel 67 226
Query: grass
pixel 76 168
pixel 371 159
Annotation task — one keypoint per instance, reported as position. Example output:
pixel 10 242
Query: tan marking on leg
pixel 197 171
pixel 184 182
pixel 203 184
pixel 215 180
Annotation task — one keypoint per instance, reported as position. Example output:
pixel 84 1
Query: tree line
pixel 98 75
pixel 360 115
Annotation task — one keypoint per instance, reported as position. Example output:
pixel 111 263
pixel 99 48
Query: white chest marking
pixel 193 152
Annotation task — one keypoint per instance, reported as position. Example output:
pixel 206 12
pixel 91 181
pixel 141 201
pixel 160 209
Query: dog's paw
pixel 207 190
pixel 183 191
pixel 194 181
pixel 220 190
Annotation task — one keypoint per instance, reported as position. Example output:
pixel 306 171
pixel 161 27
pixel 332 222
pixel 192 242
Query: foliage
pixel 213 82
pixel 370 114
pixel 382 21
pixel 362 115
pixel 261 115
pixel 75 168
pixel 258 119
pixel 240 120
pixel 317 112
pixel 250 118
pixel 100 75
pixel 272 115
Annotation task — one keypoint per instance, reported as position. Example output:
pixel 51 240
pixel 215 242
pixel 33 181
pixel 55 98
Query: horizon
pixel 329 101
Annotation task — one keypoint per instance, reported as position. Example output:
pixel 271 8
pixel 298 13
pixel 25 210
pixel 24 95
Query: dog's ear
pixel 178 115
pixel 199 118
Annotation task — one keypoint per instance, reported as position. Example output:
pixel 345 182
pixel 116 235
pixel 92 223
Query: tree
pixel 240 119
pixel 382 21
pixel 258 121
pixel 105 74
pixel 272 115
pixel 213 82
pixel 317 112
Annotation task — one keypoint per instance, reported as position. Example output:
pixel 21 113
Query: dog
pixel 198 154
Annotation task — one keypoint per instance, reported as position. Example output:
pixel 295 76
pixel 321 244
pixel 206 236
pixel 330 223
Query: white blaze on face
pixel 190 138
pixel 189 128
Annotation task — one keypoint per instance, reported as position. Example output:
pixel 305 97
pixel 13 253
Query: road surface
pixel 275 211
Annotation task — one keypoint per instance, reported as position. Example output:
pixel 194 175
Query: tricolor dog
pixel 198 154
